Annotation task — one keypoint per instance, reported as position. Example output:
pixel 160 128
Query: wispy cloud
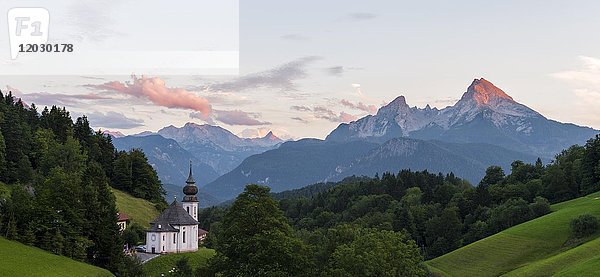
pixel 92 20
pixel 294 37
pixel 113 120
pixel 234 117
pixel 53 98
pixel 282 78
pixel 237 117
pixel 325 113
pixel 586 88
pixel 301 108
pixel 588 75
pixel 300 119
pixel 361 16
pixel 335 70
pixel 228 99
pixel 359 106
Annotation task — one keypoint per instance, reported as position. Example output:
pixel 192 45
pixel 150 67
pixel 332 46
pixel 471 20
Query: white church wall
pixel 152 242
pixel 191 208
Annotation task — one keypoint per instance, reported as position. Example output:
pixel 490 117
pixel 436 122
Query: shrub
pixel 540 206
pixel 183 268
pixel 584 225
pixel 130 237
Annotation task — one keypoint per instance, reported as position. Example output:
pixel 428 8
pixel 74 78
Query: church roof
pixel 173 215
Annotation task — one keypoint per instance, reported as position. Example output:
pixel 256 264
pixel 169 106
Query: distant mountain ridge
pixel 297 164
pixel 168 158
pixel 294 164
pixel 209 148
pixel 216 146
pixel 484 114
pixel 466 160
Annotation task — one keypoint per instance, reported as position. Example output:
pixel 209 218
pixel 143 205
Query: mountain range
pixel 484 114
pixel 485 127
pixel 216 146
pixel 299 163
pixel 212 150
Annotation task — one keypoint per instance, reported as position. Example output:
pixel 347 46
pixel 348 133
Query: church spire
pixel 190 179
pixel 190 190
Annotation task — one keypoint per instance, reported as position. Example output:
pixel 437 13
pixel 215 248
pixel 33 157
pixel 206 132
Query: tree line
pixel 424 214
pixel 60 175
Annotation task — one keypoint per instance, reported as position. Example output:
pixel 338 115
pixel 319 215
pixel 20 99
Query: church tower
pixel 190 201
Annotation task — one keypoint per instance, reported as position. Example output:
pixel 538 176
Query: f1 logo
pixel 27 26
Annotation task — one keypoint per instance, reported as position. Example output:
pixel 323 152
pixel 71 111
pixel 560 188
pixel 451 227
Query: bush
pixel 183 268
pixel 584 225
pixel 130 237
pixel 540 206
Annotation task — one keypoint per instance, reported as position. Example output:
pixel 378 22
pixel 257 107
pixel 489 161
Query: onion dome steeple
pixel 190 179
pixel 190 190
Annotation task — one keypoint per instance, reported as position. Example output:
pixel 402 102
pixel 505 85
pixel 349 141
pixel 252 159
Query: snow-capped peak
pixel 395 107
pixel 481 100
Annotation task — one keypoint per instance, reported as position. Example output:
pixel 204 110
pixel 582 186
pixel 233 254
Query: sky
pixel 307 66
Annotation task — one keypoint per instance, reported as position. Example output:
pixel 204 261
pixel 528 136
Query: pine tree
pixel 122 178
pixel 2 157
pixel 14 143
pixel 101 215
pixel 589 166
pixel 59 121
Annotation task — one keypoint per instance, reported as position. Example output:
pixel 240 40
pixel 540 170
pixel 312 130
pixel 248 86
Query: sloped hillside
pixel 139 210
pixel 539 247
pixel 164 263
pixel 21 260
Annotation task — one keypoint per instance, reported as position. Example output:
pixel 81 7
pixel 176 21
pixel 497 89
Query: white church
pixel 176 229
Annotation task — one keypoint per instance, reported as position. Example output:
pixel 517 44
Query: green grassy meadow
pixel 17 259
pixel 164 263
pixel 139 210
pixel 540 247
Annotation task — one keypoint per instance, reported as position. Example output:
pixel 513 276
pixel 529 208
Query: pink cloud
pixel 359 106
pixel 325 113
pixel 237 117
pixel 155 90
pixel 345 117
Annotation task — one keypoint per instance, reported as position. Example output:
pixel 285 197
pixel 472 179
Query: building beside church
pixel 122 220
pixel 176 229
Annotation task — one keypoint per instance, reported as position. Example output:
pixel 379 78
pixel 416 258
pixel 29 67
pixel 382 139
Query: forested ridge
pixel 59 173
pixel 434 213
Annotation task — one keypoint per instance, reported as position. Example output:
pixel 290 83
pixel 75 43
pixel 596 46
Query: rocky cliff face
pixel 484 114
